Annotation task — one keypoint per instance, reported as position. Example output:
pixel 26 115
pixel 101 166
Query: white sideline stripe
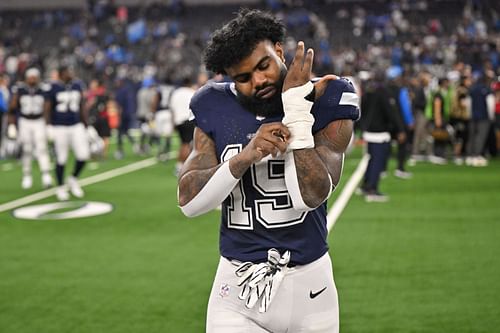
pixel 347 191
pixel 84 182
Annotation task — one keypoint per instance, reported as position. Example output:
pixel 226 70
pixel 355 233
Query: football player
pixel 28 103
pixel 179 103
pixel 270 148
pixel 163 126
pixel 68 118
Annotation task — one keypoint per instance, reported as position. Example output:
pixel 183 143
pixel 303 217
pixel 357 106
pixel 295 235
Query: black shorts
pixel 186 130
pixel 101 125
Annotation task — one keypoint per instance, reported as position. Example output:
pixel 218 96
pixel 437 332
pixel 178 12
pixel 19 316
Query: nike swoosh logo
pixel 314 295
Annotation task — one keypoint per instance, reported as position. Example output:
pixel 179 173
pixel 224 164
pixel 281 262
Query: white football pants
pixel 305 302
pixel 164 125
pixel 33 138
pixel 74 136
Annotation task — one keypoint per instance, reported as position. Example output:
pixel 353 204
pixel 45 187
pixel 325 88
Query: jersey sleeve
pixel 203 107
pixel 49 89
pixel 80 86
pixel 339 101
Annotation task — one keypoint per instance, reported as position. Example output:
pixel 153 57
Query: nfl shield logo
pixel 224 290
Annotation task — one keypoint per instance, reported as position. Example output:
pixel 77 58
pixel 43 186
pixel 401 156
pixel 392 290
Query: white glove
pixel 261 281
pixel 298 117
pixel 11 132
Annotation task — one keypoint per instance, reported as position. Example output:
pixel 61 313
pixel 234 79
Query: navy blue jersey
pixel 258 214
pixel 30 100
pixel 66 102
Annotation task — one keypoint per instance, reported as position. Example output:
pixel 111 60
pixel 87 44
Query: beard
pixel 267 107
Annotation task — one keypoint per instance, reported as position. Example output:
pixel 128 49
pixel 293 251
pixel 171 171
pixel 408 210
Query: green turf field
pixel 427 261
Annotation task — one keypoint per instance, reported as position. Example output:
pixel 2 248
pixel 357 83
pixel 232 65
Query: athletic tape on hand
pixel 298 117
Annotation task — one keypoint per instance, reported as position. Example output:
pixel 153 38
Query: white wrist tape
pixel 298 117
pixel 213 193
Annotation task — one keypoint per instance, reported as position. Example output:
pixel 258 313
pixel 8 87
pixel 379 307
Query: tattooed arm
pixel 204 182
pixel 311 173
pixel 316 167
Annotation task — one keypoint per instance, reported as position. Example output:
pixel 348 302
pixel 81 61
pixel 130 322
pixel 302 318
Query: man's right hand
pixel 270 139
pixel 11 132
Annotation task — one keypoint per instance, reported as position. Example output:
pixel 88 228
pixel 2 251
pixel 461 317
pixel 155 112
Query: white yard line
pixel 84 182
pixel 333 213
pixel 347 191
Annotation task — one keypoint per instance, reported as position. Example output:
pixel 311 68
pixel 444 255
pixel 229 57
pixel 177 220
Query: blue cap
pixel 148 82
pixel 393 72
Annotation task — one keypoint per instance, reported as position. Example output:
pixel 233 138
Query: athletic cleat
pixel 376 196
pixel 75 188
pixel 46 180
pixel 403 174
pixel 437 160
pixel 62 193
pixel 479 161
pixel 119 155
pixel 27 182
pixel 458 161
pixel 360 191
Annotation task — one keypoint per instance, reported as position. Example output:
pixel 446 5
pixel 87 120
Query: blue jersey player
pixel 68 119
pixel 269 147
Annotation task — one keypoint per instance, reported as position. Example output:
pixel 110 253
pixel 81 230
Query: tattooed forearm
pixel 192 182
pixel 331 144
pixel 239 165
pixel 312 176
pixel 314 165
pixel 198 168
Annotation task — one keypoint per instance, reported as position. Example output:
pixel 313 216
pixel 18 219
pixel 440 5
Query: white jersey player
pixel 28 104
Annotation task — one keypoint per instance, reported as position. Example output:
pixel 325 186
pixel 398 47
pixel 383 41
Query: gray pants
pixel 478 131
pixel 420 136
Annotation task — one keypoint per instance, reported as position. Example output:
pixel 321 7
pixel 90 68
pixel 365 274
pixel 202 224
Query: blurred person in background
pixel 439 123
pixel 163 119
pixel 69 119
pixel 184 125
pixel 97 99
pixel 418 95
pixel 4 107
pixel 479 123
pixel 460 114
pixel 399 92
pixel 27 107
pixel 379 118
pixel 496 89
pixel 145 99
pixel 126 99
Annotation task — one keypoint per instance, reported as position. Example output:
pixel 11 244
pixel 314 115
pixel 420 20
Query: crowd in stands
pixel 439 60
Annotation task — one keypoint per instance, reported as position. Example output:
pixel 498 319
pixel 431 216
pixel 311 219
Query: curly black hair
pixel 237 39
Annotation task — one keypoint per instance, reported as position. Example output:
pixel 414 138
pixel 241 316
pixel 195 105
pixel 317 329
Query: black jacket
pixel 379 110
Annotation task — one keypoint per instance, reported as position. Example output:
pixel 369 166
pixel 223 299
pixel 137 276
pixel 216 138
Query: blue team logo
pixel 63 210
